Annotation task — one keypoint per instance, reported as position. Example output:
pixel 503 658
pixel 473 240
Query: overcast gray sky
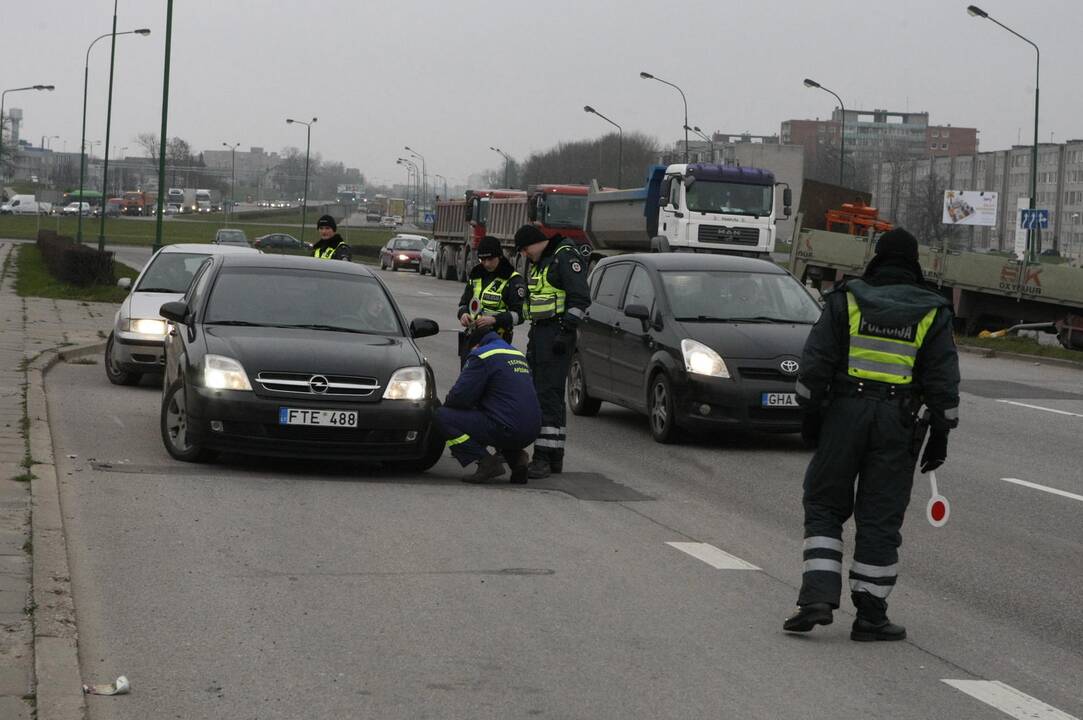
pixel 451 79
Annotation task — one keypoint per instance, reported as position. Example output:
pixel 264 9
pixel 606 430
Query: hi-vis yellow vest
pixel 884 354
pixel 491 296
pixel 326 253
pixel 546 300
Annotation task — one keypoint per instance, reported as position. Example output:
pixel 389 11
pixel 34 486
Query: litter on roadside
pixel 119 687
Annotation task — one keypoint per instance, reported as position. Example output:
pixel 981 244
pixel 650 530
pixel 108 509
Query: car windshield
pixel 565 211
pixel 733 198
pixel 170 272
pixel 719 296
pixel 409 244
pixel 313 299
pixel 232 237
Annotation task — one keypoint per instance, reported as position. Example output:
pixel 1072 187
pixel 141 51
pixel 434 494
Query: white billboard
pixel 970 207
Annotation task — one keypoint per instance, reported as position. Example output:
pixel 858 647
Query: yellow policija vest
pixel 546 300
pixel 491 297
pixel 326 253
pixel 884 354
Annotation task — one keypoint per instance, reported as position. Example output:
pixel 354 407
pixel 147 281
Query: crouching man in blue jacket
pixel 493 404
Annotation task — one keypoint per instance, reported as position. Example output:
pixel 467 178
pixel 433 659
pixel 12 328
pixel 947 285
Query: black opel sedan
pixel 695 341
pixel 293 356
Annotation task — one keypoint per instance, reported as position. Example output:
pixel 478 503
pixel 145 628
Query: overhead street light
pixel 308 148
pixel 842 129
pixel 232 174
pixel 648 76
pixel 620 142
pixel 413 180
pixel 424 172
pixel 1032 233
pixel 86 81
pixel 3 98
pixel 445 183
pixel 507 161
pixel 697 131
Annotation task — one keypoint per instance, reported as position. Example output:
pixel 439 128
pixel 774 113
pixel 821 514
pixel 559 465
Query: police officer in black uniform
pixel 499 290
pixel 330 246
pixel 882 347
pixel 558 298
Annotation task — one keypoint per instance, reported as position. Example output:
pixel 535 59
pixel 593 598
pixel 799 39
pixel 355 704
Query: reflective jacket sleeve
pixel 936 370
pixel 342 252
pixel 464 299
pixel 514 295
pixel 824 354
pixel 466 393
pixel 569 273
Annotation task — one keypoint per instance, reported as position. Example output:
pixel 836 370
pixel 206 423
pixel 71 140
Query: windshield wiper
pixel 702 318
pixel 334 328
pixel 768 319
pixel 161 290
pixel 236 323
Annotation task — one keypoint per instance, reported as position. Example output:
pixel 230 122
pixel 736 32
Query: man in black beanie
pixel 330 246
pixel 499 291
pixel 882 348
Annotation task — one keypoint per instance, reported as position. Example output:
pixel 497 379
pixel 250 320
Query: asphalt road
pixel 255 588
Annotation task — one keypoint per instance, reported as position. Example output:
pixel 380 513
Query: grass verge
pixel 32 279
pixel 1022 346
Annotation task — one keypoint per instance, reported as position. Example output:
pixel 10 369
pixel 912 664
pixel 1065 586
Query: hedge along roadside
pixel 75 264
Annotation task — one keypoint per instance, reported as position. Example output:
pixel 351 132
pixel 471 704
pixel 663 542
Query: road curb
pixel 56 638
pixel 1040 359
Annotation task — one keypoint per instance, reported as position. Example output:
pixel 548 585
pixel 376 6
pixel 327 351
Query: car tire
pixel 580 402
pixel 661 414
pixel 114 373
pixel 174 426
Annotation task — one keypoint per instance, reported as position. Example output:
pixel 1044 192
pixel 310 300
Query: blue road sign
pixel 430 218
pixel 1036 219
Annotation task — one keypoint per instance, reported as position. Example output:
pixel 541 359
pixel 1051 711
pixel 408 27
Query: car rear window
pixel 280 296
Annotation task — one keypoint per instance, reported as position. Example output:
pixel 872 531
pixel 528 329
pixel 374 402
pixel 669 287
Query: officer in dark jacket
pixel 330 246
pixel 558 298
pixel 493 403
pixel 499 290
pixel 882 347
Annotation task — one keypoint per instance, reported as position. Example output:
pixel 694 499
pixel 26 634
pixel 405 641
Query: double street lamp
pixel 424 172
pixel 445 183
pixel 976 11
pixel 308 148
pixel 507 161
pixel 3 98
pixel 86 82
pixel 413 181
pixel 620 141
pixel 842 125
pixel 648 76
pixel 697 131
pixel 233 174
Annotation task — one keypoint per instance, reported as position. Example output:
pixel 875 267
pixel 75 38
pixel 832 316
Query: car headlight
pixel 223 373
pixel 404 257
pixel 702 360
pixel 408 383
pixel 146 326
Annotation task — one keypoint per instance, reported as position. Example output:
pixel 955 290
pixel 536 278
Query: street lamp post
pixel 424 172
pixel 82 144
pixel 1032 233
pixel 620 142
pixel 507 160
pixel 413 181
pixel 232 176
pixel 842 129
pixel 445 184
pixel 648 76
pixel 308 148
pixel 710 143
pixel 3 98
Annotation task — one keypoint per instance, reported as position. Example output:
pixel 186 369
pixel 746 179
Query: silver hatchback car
pixel 135 347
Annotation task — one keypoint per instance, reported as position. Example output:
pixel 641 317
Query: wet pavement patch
pixel 587 486
pixel 1006 389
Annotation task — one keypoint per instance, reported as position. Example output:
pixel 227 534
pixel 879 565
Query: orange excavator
pixel 855 219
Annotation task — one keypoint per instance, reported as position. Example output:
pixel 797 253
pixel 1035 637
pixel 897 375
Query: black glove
pixel 936 450
pixel 811 422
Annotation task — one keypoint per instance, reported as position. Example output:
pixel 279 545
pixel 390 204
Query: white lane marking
pixel 1009 700
pixel 1044 488
pixel 1039 407
pixel 422 292
pixel 718 559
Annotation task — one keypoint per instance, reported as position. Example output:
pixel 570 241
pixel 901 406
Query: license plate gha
pixel 317 418
pixel 778 399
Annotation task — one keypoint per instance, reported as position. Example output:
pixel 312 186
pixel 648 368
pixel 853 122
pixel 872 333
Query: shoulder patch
pixel 576 266
pixel 521 291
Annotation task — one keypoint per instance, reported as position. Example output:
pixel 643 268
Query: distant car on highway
pixel 388 221
pixel 281 243
pixel 694 341
pixel 428 257
pixel 76 208
pixel 230 236
pixel 402 251
pixel 134 347
pixel 291 356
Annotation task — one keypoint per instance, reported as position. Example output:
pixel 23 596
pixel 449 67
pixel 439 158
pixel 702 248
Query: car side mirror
pixel 787 201
pixel 124 283
pixel 177 311
pixel 637 311
pixel 422 327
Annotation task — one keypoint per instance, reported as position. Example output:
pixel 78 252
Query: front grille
pixel 729 235
pixel 314 384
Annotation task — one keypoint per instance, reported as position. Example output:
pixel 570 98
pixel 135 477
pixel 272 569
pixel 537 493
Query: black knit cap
pixel 896 247
pixel 488 247
pixel 528 235
pixel 327 221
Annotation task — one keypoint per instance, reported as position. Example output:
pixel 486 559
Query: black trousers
pixel 869 441
pixel 470 433
pixel 550 372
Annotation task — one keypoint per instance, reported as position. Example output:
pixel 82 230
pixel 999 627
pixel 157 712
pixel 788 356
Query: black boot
pixel 808 617
pixel 538 469
pixel 872 623
pixel 519 468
